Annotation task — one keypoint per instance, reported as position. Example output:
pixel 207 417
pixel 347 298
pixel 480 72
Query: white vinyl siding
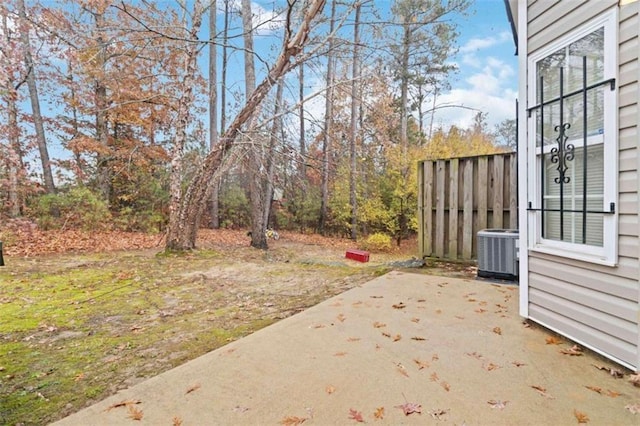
pixel 594 304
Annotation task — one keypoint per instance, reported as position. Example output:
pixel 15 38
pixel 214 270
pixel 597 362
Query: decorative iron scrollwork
pixel 563 153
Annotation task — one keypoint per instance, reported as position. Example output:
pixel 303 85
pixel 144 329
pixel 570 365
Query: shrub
pixel 377 242
pixel 77 208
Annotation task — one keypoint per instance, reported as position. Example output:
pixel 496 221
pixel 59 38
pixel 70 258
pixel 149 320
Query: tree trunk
pixel 185 215
pixel 404 96
pixel 213 109
pixel 328 125
pixel 303 144
pixel 35 102
pixel 271 161
pixel 14 159
pixel 256 189
pixel 223 89
pixel 102 136
pixel 80 175
pixel 355 109
pixel 182 230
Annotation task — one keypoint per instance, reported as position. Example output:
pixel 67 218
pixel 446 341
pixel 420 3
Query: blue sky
pixel 487 76
pixel 488 68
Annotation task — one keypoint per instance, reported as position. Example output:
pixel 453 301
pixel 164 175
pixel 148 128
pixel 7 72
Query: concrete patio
pixel 454 350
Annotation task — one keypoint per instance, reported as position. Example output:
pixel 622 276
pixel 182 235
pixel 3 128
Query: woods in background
pixel 319 111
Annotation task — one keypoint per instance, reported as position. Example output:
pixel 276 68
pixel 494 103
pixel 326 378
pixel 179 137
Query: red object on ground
pixel 359 255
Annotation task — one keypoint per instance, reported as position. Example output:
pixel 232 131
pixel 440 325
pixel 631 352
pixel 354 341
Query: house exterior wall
pixel 595 305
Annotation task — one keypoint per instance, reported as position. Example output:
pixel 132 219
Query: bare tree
pixel 213 109
pixel 328 123
pixel 185 213
pixel 13 157
pixel 355 110
pixel 35 101
pixel 179 228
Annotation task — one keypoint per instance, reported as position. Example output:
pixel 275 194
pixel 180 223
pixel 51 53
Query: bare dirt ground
pixel 78 326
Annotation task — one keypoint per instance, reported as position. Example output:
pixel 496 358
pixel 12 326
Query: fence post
pixel 1 258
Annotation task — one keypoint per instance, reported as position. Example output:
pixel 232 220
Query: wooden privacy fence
pixel 458 197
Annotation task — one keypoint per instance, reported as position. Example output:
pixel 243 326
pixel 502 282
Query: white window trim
pixel 608 253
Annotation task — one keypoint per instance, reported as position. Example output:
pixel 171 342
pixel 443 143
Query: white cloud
pixel 264 21
pixel 490 89
pixel 475 44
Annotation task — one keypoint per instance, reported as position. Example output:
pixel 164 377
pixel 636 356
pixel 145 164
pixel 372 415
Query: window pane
pixel 570 59
pixel 567 223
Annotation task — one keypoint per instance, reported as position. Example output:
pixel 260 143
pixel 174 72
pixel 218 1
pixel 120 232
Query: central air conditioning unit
pixel 498 253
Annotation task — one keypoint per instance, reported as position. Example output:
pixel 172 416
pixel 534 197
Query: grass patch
pixel 82 327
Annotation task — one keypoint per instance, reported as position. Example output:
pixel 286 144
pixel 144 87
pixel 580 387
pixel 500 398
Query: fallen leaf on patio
pixel 125 403
pixel 497 330
pixel 438 414
pixel 634 409
pixel 402 370
pixel 469 294
pixel 460 317
pixel 358 303
pixel 421 364
pixel 438 311
pixel 385 334
pixel 340 354
pixel 379 413
pixel 318 326
pixel 293 421
pixel 575 350
pixel 330 389
pixel 483 303
pixel 418 338
pixel 435 357
pixel 613 394
pixel 379 324
pixel 500 405
pixel 415 320
pixel 475 355
pixel 192 388
pixel 376 297
pixel 134 413
pixel 480 310
pixel 176 421
pixel 595 389
pixel 553 340
pixel 397 337
pixel 518 363
pixel 341 318
pixel 400 305
pixel 240 409
pixel 434 377
pixel 613 371
pixel 525 324
pixel 442 284
pixel 635 379
pixel 446 386
pixel 410 408
pixel 542 391
pixel 581 417
pixel 471 300
pixel 353 339
pixel 356 415
pixel 421 300
pixel 490 366
pixel 501 306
